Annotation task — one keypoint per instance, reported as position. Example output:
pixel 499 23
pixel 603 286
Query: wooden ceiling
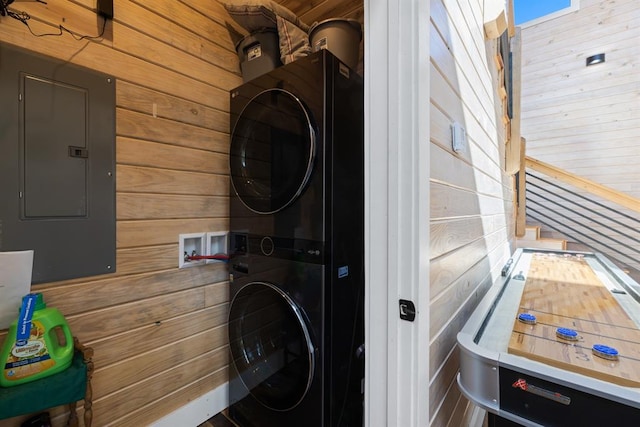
pixel 310 11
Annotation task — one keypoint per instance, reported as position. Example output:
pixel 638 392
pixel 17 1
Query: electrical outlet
pixel 217 242
pixel 189 245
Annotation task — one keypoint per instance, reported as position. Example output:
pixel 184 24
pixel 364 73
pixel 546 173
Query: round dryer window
pixel 272 151
pixel 270 344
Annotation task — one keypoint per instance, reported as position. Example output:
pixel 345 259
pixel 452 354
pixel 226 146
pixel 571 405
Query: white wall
pixel 585 120
pixel 471 217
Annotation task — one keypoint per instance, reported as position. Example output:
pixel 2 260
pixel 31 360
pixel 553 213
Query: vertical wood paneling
pixel 159 333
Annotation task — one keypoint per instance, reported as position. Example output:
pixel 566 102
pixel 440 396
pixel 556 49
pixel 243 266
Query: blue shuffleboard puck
pixel 605 352
pixel 527 318
pixel 567 334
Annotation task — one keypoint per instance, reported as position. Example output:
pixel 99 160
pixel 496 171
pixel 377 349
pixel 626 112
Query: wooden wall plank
pixel 449 169
pixel 121 66
pixel 175 400
pixel 474 282
pixel 137 125
pixel 445 341
pixel 470 194
pixel 588 111
pixel 77 19
pixel 442 380
pixel 189 18
pixel 143 100
pixel 129 261
pixel 447 410
pixel 173 130
pixel 218 51
pixel 448 235
pixel 592 20
pixel 154 232
pixel 157 52
pixel 115 349
pixel 111 378
pixel 110 291
pixel 169 156
pixel 173 67
pixel 446 269
pixel 167 206
pixel 136 179
pixel 450 202
pixel 113 407
pixel 121 318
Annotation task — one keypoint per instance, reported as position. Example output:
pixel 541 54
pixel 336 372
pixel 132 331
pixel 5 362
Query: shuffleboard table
pixel 555 342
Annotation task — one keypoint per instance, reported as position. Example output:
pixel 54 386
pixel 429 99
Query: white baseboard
pixel 199 410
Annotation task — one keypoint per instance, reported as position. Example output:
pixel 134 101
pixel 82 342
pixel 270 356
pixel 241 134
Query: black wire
pixel 24 17
pixel 3 6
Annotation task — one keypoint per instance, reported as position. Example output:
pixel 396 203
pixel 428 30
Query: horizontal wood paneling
pixel 154 232
pixel 442 380
pixel 113 291
pixel 209 27
pixel 142 126
pixel 143 100
pixel 169 156
pixel 123 346
pixel 603 13
pixel 161 358
pixel 580 118
pixel 155 258
pixel 134 179
pixel 470 195
pixel 174 401
pixel 117 407
pixel 167 206
pixel 158 332
pixel 586 120
pixel 174 63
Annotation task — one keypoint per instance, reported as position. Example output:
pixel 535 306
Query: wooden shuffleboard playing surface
pixel 563 291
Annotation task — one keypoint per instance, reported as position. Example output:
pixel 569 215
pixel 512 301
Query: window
pixel 528 12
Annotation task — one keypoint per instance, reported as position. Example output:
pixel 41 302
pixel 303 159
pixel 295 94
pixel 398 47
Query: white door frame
pixel 397 103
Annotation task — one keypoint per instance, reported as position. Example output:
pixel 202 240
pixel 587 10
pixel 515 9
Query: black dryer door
pixel 270 344
pixel 272 150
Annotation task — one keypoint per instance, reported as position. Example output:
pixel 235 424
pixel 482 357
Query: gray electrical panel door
pixel 57 164
pixel 55 177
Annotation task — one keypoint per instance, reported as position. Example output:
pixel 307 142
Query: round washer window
pixel 272 151
pixel 270 346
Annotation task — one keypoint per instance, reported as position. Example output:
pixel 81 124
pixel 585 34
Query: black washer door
pixel 272 150
pixel 270 346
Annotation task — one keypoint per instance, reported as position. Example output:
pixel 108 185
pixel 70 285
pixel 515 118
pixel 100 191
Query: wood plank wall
pixel 471 197
pixel 586 120
pixel 583 119
pixel 158 331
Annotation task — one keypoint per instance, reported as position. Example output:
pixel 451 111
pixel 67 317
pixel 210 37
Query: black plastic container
pixel 259 53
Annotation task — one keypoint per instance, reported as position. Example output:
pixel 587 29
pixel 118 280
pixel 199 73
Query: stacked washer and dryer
pixel 296 320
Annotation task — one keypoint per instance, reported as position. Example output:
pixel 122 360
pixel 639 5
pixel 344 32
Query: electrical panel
pixel 57 168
